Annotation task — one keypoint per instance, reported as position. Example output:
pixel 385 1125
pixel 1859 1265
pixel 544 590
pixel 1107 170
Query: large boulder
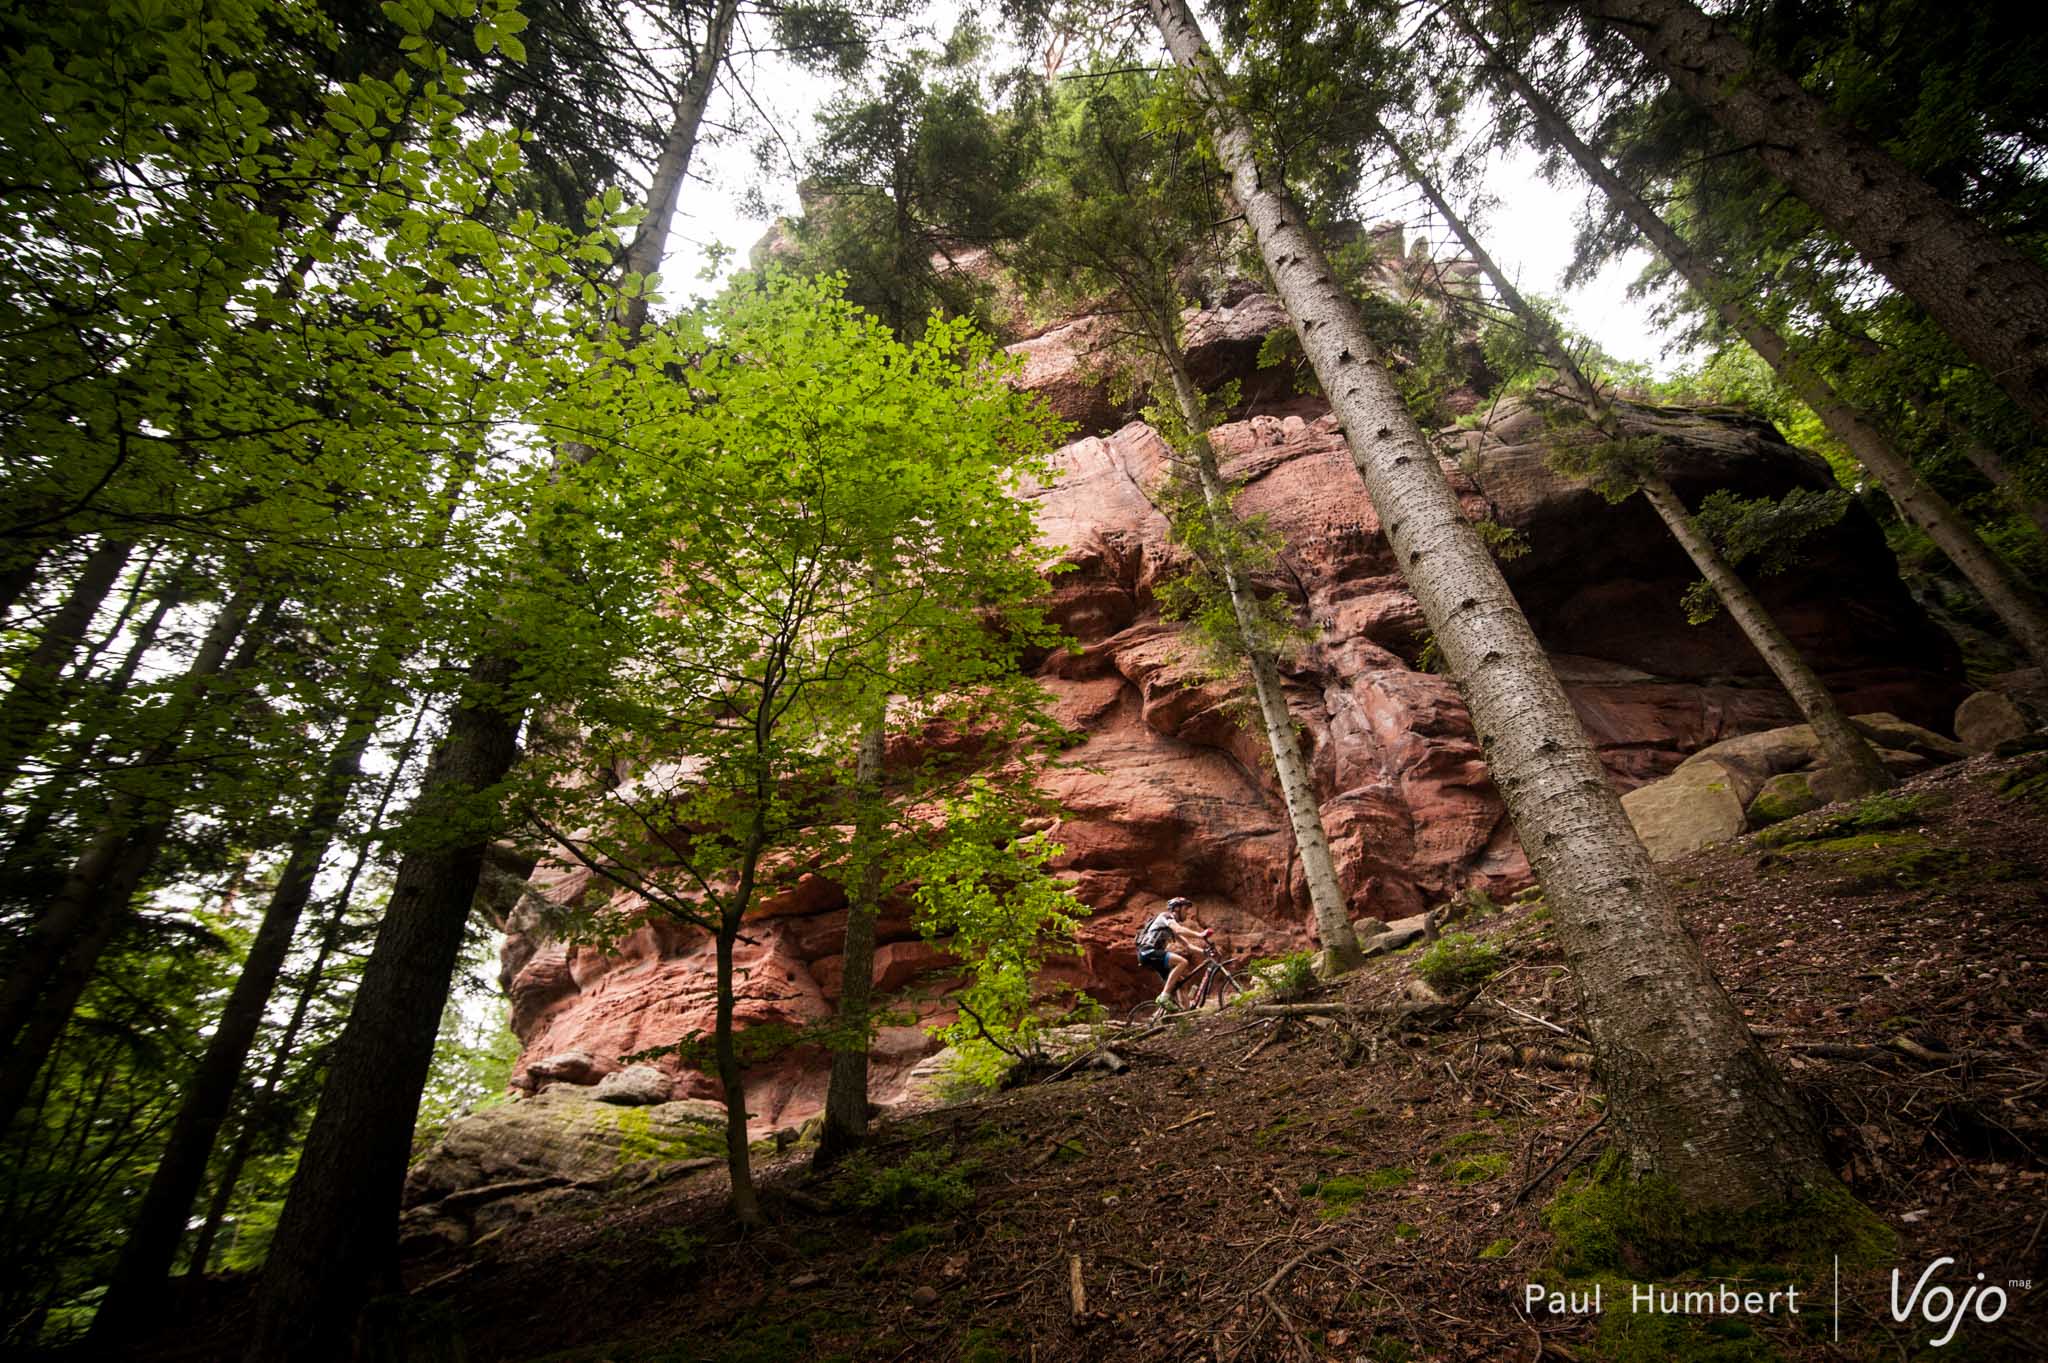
pixel 1988 719
pixel 1698 805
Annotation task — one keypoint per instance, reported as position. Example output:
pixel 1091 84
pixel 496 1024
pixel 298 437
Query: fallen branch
pixel 1076 1292
pixel 1190 1121
pixel 1557 1163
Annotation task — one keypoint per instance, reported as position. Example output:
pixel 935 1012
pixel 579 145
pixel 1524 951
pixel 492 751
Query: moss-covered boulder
pixel 562 1134
pixel 1782 797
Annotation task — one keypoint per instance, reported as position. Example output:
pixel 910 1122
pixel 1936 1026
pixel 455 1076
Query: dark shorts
pixel 1155 959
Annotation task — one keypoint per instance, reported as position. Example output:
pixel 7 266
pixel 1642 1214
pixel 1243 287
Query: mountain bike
pixel 1213 978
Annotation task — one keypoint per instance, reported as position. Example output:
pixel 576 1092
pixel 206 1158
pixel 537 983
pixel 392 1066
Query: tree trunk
pixel 1297 788
pixel 20 567
pixel 340 1219
pixel 143 1270
pixel 846 1094
pixel 1693 1097
pixel 1984 291
pixel 37 699
pixel 1919 503
pixel 1993 466
pixel 1845 749
pixel 258 1114
pixel 664 187
pixel 1842 747
pixel 57 962
pixel 337 1232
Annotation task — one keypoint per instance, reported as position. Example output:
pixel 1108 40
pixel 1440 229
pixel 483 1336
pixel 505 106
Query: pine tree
pixel 1693 1097
pixel 1921 504
pixel 1621 465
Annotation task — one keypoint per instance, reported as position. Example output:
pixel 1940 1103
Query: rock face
pixel 1172 793
pixel 512 1160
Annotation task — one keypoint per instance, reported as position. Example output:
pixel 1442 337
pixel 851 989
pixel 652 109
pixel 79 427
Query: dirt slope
pixel 1359 1191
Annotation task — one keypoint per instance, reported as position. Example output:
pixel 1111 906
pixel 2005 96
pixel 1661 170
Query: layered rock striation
pixel 1171 791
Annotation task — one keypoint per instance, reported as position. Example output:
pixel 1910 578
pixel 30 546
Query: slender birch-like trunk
pixel 1984 291
pixel 1297 789
pixel 1844 749
pixel 1692 1096
pixel 846 1093
pixel 1917 502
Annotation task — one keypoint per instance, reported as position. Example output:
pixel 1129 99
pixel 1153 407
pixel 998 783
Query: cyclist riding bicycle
pixel 1156 940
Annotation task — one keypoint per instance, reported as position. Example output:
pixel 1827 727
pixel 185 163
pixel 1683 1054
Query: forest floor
pixel 1351 1188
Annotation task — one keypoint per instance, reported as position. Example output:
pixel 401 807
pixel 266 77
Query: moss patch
pixel 1783 797
pixel 1872 815
pixel 1605 1221
pixel 1872 862
pixel 1471 1169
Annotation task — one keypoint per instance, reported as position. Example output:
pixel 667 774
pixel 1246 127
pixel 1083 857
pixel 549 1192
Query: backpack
pixel 1152 934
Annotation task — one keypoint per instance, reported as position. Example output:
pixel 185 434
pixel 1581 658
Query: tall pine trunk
pixel 36 700
pixel 144 1266
pixel 1920 504
pixel 338 1231
pixel 1985 292
pixel 258 1114
pixel 340 1223
pixel 1692 1096
pixel 57 962
pixel 846 1092
pixel 1297 788
pixel 1844 749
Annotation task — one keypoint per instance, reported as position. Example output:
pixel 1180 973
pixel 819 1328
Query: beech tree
pixel 841 505
pixel 1693 1097
pixel 1620 464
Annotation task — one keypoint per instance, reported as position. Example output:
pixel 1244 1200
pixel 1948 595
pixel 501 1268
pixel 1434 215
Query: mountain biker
pixel 1157 938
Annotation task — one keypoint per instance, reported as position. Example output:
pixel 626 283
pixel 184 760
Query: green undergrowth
pixel 1606 1221
pixel 2029 782
pixel 1340 1194
pixel 1872 815
pixel 1616 1232
pixel 1458 960
pixel 929 1185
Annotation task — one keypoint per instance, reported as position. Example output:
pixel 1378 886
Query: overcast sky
pixel 1529 231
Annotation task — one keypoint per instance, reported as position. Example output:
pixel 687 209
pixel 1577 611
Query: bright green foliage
pixel 1458 960
pixel 985 893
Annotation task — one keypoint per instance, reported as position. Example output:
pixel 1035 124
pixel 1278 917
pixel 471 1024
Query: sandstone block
pixel 634 1086
pixel 1694 807
pixel 1988 719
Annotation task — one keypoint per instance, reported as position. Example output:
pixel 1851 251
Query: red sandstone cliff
pixel 1170 793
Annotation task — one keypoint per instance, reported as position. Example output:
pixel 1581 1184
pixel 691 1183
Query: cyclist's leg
pixel 1174 977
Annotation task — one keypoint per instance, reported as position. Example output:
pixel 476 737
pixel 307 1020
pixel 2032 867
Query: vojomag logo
pixel 1939 1306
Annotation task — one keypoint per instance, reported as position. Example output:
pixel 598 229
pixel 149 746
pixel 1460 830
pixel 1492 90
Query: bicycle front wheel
pixel 1144 1013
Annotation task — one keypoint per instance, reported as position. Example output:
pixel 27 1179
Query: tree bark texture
pixel 846 1093
pixel 1984 291
pixel 665 187
pixel 63 949
pixel 36 700
pixel 143 1269
pixel 1845 749
pixel 1693 1097
pixel 337 1232
pixel 1917 502
pixel 1304 813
